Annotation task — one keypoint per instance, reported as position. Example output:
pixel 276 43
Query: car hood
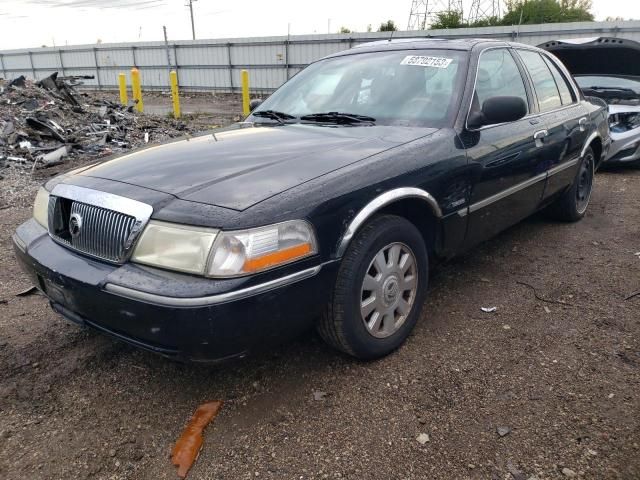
pixel 597 56
pixel 244 164
pixel 613 109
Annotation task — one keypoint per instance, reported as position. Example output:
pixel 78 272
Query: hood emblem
pixel 75 225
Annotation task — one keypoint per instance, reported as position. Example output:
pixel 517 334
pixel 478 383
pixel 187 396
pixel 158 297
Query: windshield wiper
pixel 617 89
pixel 279 117
pixel 338 117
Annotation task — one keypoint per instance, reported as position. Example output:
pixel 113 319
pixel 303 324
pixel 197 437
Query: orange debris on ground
pixel 188 446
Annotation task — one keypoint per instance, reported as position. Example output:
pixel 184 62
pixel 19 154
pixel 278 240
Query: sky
pixel 33 23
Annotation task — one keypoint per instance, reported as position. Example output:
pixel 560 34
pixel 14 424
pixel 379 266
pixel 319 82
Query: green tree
pixel 486 22
pixel 344 30
pixel 450 19
pixel 546 11
pixel 388 26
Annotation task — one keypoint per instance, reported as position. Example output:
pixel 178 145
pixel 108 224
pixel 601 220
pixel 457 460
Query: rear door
pixel 565 119
pixel 509 173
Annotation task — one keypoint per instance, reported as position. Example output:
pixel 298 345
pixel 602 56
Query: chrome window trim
pixel 382 201
pixel 211 299
pixel 140 211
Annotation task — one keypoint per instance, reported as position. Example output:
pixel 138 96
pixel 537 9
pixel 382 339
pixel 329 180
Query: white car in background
pixel 608 68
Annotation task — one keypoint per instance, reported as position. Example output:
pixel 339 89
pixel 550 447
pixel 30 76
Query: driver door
pixel 507 166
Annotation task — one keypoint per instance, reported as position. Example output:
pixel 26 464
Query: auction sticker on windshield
pixel 420 61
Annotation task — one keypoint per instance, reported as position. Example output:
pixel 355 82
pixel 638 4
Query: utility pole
pixel 166 46
pixel 193 28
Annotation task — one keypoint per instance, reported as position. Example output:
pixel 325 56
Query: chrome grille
pixel 103 233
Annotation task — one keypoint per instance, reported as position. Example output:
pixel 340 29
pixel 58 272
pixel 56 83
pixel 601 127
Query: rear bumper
pixel 173 314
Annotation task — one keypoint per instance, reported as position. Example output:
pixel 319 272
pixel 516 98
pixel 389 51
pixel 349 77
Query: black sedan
pixel 326 206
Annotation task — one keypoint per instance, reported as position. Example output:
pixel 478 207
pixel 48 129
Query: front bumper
pixel 625 145
pixel 173 314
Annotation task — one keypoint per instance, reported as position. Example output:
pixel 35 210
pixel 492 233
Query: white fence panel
pixel 216 64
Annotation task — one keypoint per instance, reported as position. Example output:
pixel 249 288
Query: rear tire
pixel 573 203
pixel 379 290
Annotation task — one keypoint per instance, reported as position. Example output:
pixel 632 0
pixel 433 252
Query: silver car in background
pixel 608 68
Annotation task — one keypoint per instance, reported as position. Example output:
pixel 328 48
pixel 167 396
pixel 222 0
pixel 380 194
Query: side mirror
pixel 254 103
pixel 500 109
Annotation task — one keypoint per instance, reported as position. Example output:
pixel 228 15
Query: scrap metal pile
pixel 46 123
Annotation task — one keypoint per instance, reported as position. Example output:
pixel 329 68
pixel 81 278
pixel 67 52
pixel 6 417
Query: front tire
pixel 379 291
pixel 572 205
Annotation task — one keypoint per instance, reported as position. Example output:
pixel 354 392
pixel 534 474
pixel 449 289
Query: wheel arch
pixel 595 142
pixel 416 205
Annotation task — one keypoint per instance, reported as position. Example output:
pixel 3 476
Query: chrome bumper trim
pixel 212 299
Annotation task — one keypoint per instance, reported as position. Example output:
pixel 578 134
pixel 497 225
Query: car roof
pixel 425 43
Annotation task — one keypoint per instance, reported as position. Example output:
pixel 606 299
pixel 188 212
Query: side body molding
pixel 382 201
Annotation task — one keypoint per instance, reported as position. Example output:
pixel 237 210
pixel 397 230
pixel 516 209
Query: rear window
pixel 563 87
pixel 543 81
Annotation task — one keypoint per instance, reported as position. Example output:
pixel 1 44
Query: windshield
pixel 413 88
pixel 590 81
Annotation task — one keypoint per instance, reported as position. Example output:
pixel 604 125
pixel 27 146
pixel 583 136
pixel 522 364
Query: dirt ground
pixel 556 368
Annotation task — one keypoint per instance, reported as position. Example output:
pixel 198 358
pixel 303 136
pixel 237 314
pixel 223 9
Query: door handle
pixel 539 135
pixel 582 123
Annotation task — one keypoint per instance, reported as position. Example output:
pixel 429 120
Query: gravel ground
pixel 556 370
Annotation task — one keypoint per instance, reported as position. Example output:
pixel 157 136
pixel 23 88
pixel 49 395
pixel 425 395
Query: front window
pixel 498 75
pixel 413 87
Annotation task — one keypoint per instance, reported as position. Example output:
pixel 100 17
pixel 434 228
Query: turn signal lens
pixel 41 207
pixel 259 249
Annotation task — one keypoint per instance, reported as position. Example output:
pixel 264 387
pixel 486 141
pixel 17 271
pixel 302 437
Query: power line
pixel 424 12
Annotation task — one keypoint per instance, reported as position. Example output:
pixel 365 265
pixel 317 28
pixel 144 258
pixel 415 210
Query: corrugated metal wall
pixel 216 64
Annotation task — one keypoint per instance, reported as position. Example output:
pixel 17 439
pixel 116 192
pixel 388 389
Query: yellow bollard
pixel 173 80
pixel 122 82
pixel 245 93
pixel 137 89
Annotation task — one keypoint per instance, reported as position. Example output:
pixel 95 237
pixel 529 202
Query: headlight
pixel 175 247
pixel 258 249
pixel 623 122
pixel 41 207
pixel 192 249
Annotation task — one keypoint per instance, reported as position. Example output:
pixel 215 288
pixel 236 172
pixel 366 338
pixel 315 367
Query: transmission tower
pixel 484 10
pixel 423 12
